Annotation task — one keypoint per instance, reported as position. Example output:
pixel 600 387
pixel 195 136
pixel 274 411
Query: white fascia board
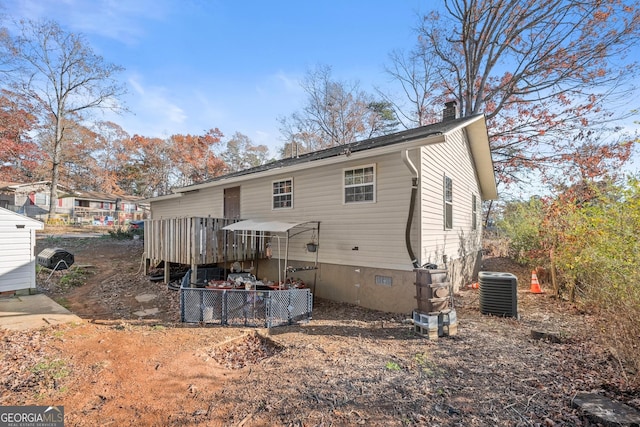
pixel 160 198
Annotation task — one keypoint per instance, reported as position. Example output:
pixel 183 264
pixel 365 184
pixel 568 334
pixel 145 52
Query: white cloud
pixel 118 20
pixel 155 113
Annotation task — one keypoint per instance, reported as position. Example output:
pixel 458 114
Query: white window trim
pixel 273 208
pixel 446 202
pixel 374 183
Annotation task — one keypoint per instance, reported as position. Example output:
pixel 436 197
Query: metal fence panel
pixel 245 308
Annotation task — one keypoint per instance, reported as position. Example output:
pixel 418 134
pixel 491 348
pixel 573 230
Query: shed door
pixel 17 263
pixel 232 202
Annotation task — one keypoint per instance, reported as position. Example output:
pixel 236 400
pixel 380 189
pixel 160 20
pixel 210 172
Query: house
pixel 90 207
pixel 30 199
pixel 384 206
pixel 17 256
pixel 96 208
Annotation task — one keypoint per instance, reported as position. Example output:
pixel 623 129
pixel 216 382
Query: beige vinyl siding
pixel 452 159
pixel 203 203
pixel 376 229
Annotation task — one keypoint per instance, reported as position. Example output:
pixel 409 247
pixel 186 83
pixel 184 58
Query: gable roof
pixel 476 133
pixel 12 219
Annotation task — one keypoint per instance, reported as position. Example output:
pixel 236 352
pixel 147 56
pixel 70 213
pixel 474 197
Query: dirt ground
pixel 348 366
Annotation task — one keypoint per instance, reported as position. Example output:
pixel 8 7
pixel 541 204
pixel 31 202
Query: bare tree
pixel 66 77
pixel 242 154
pixel 336 113
pixel 541 70
pixel 420 87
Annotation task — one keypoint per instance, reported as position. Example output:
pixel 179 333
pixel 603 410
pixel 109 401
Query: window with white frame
pixel 42 199
pixel 474 212
pixel 283 194
pixel 448 203
pixel 360 184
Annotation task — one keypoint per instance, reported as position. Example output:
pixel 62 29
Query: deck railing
pixel 198 241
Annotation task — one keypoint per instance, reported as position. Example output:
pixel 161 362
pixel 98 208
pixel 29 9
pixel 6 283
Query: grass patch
pixel 73 278
pixel 393 366
pixel 55 369
pixel 50 372
pixel 426 365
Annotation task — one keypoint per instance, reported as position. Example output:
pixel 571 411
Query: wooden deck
pixel 197 241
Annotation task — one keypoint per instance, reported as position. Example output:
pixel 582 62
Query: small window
pixel 42 199
pixel 384 280
pixel 283 194
pixel 359 185
pixel 448 203
pixel 474 212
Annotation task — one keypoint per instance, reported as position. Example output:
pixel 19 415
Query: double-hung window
pixel 448 203
pixel 360 184
pixel 283 194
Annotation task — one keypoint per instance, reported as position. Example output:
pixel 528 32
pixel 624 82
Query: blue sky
pixel 192 65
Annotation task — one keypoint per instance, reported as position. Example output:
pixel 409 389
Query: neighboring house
pixel 17 257
pixel 385 205
pixel 32 199
pixel 101 209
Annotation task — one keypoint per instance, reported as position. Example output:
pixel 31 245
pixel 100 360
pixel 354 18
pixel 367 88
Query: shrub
pixel 592 231
pixel 121 233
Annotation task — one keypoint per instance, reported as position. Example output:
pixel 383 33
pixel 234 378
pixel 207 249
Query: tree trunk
pixel 486 218
pixel 55 169
pixel 554 278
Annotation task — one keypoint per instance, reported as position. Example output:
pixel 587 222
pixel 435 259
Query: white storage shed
pixel 17 251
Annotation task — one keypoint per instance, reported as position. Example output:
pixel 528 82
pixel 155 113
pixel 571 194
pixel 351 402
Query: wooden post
pixel 167 272
pixel 194 272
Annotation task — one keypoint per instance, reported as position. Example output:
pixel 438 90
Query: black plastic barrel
pixel 55 258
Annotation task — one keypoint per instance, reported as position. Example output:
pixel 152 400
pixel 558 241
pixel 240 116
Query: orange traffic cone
pixel 535 285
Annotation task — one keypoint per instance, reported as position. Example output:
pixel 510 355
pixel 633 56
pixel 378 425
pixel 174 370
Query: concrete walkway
pixel 23 312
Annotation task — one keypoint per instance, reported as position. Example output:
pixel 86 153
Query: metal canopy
pixel 251 228
pixel 266 226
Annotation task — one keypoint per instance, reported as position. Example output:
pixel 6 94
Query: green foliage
pixel 53 369
pixel 50 373
pixel 521 222
pixel 73 278
pixel 601 254
pixel 591 232
pixel 393 366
